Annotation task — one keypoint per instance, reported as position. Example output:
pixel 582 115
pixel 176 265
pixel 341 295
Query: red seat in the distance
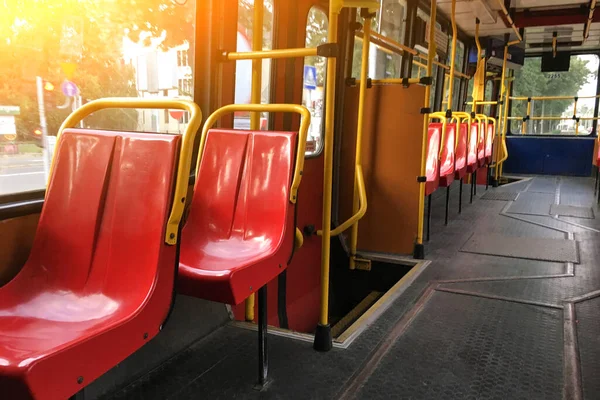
pixel 447 159
pixel 481 145
pixel 239 234
pixel 99 281
pixel 489 142
pixel 460 166
pixel 472 165
pixel 432 171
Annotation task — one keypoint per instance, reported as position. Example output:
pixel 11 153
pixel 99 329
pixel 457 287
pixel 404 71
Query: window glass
pixel 489 88
pixel 389 22
pixel 315 68
pixel 580 80
pixel 77 51
pixel 243 68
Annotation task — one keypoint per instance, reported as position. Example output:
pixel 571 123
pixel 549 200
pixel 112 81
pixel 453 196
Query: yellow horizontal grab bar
pixel 553 97
pixel 185 158
pixel 272 54
pixel 391 81
pixel 482 103
pixel 388 43
pixel 362 210
pixel 291 108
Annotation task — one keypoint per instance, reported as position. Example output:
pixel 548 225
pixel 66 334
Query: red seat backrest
pixel 472 148
pixel 447 157
pixel 489 140
pixel 103 222
pixel 461 148
pixel 432 172
pixel 481 142
pixel 242 192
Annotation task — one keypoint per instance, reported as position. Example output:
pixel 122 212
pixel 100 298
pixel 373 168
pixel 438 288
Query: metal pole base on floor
pixel 447 204
pixel 263 356
pixel 428 217
pixel 460 197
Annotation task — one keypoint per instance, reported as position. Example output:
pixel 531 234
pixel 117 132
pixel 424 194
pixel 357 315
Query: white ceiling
pixel 467 10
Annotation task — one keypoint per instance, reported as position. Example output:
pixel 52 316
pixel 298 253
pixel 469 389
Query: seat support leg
pixel 471 201
pixel 460 196
pixel 263 359
pixel 428 217
pixel 487 178
pixel 447 204
pixel 596 184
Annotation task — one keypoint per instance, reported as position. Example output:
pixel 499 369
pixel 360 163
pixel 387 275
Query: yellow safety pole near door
pixel 255 98
pixel 323 340
pixel 359 132
pixel 419 251
pixel 505 128
pixel 524 127
pixel 503 97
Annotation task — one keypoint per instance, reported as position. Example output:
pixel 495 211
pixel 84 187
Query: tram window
pixel 580 80
pixel 243 68
pixel 459 60
pixel 315 69
pixel 389 22
pixel 489 88
pixel 102 51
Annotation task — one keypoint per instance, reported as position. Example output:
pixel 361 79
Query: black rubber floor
pixel 469 327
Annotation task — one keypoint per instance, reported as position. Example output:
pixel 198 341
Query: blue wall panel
pixel 549 155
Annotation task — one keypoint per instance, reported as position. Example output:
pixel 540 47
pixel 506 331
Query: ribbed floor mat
pixel 558 250
pixel 532 204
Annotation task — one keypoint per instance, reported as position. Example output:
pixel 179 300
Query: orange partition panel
pixel 391 155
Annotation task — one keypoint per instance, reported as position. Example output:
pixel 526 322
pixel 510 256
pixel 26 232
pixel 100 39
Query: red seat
pixel 99 281
pixel 432 172
pixel 447 158
pixel 240 231
pixel 481 145
pixel 472 149
pixel 489 141
pixel 460 167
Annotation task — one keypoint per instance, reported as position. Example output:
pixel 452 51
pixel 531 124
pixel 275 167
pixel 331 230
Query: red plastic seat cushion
pixel 447 159
pixel 240 230
pixel 489 142
pixel 472 149
pixel 99 281
pixel 432 171
pixel 460 167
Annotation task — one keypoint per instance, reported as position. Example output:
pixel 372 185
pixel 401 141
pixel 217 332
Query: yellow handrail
pixel 464 115
pixel 552 97
pixel 387 43
pixel 291 108
pixel 277 53
pixel 441 116
pixel 419 251
pixel 452 55
pixel 362 199
pixel 511 22
pixel 185 158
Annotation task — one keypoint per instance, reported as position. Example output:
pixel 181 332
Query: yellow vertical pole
pixel 359 131
pixel 452 55
pixel 504 98
pixel 323 341
pixel 475 80
pixel 505 122
pixel 257 39
pixel 524 128
pixel 419 251
pixel 575 115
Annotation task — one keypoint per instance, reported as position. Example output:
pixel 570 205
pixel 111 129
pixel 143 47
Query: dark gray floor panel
pixel 497 195
pixel 543 185
pixel 572 211
pixel 588 336
pixel 462 347
pixel 557 250
pixel 532 203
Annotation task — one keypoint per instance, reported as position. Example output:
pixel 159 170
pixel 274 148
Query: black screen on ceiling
pixel 560 63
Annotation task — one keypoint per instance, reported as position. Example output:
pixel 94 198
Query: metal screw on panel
pixel 250 287
pixel 80 380
pixel 183 199
pixel 172 236
pixel 145 335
